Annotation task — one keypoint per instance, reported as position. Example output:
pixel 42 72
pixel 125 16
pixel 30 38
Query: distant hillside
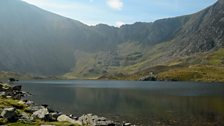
pixel 38 42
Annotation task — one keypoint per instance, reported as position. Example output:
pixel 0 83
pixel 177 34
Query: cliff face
pixel 203 32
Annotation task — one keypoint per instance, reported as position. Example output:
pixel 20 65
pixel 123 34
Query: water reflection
pixel 139 106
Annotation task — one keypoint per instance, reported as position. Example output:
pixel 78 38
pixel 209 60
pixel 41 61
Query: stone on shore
pixel 26 118
pixel 32 109
pixel 17 88
pixel 2 94
pixel 51 117
pixel 127 124
pixel 41 113
pixel 64 118
pixel 94 120
pixel 10 114
pixel 29 103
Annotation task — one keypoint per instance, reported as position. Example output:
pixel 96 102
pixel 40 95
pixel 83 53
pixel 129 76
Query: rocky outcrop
pixel 14 92
pixel 150 77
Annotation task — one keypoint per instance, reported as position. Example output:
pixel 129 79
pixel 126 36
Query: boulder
pixel 105 123
pixel 94 120
pixel 127 124
pixel 44 105
pixel 10 114
pixel 26 118
pixel 88 119
pixel 51 117
pixel 12 79
pixel 2 94
pixel 32 109
pixel 65 118
pixel 150 77
pixel 28 102
pixel 17 88
pixel 41 113
pixel 1 87
pixel 5 87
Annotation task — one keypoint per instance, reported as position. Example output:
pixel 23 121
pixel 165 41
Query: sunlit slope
pixel 208 67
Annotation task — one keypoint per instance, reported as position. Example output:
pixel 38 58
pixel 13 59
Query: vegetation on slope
pixel 194 73
pixel 207 67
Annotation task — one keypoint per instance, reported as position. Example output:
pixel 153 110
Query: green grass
pixel 3 121
pixel 216 58
pixel 6 102
pixel 194 73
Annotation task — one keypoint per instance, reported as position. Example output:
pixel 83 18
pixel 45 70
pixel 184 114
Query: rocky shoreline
pixel 17 111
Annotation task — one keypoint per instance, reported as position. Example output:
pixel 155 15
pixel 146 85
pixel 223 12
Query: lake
pixel 141 103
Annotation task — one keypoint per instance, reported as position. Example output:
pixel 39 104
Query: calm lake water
pixel 141 103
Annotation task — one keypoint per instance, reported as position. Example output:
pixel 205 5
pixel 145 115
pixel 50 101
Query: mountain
pixel 204 30
pixel 34 41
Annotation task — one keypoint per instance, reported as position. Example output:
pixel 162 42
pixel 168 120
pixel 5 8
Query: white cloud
pixel 115 4
pixel 119 23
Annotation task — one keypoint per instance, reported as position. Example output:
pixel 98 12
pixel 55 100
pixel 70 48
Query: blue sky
pixel 118 12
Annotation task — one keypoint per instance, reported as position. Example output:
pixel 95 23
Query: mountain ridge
pixel 42 43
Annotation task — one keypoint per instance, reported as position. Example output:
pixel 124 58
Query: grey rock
pixel 52 117
pixel 88 119
pixel 2 94
pixel 102 119
pixel 17 88
pixel 32 109
pixel 41 113
pixel 127 124
pixel 10 114
pixel 1 87
pixel 65 118
pixel 150 77
pixel 26 118
pixel 29 103
pixel 94 120
pixel 105 123
pixel 8 96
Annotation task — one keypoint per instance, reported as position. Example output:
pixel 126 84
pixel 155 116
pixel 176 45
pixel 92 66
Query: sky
pixel 119 12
